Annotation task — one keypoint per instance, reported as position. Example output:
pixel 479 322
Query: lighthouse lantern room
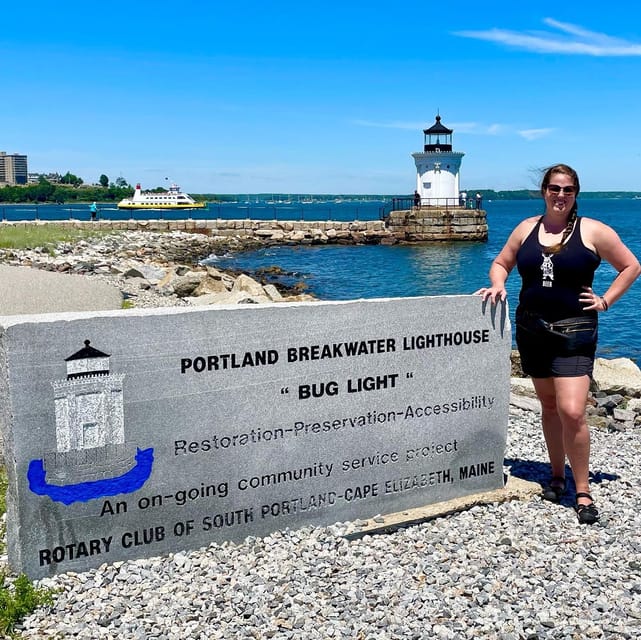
pixel 437 168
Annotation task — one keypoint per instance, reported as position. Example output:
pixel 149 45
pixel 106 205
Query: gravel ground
pixel 516 570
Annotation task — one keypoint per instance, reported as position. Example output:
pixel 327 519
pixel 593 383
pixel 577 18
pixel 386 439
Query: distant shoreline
pixel 302 200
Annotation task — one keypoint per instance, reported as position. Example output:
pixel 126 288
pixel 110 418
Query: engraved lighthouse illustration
pixel 92 457
pixel 89 407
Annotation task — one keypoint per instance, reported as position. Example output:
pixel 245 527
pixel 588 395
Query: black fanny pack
pixel 569 336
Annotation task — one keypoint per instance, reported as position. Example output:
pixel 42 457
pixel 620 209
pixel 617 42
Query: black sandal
pixel 587 513
pixel 554 489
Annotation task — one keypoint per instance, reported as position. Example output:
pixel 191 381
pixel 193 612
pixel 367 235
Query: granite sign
pixel 135 433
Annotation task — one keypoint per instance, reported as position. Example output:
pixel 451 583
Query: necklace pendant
pixel 547 268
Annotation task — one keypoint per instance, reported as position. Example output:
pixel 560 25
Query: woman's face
pixel 559 195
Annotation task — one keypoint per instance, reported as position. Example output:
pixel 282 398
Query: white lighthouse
pixel 437 167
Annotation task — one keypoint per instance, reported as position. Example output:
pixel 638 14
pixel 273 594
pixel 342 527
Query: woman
pixel 556 255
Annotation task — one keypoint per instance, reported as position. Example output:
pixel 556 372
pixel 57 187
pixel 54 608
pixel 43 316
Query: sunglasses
pixel 555 188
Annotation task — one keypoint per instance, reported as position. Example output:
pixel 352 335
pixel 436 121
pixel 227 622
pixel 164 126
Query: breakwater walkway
pixel 259 231
pixel 418 225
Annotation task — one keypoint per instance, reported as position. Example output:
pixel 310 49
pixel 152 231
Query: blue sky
pixel 329 97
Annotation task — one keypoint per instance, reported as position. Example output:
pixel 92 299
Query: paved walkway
pixel 24 290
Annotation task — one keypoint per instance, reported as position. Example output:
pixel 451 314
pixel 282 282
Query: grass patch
pixel 43 235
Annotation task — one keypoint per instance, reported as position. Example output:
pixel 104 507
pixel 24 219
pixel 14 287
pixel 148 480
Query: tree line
pixel 69 188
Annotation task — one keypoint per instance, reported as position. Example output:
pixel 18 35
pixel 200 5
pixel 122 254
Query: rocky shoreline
pixel 159 269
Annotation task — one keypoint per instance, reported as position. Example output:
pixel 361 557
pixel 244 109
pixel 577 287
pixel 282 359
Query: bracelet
pixel 606 306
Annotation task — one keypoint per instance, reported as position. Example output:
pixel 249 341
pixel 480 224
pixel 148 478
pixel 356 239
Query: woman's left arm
pixel 610 247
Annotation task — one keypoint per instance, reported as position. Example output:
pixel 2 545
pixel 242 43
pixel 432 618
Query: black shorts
pixel 538 360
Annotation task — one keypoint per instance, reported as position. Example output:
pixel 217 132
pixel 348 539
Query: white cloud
pixel 535 134
pixel 582 42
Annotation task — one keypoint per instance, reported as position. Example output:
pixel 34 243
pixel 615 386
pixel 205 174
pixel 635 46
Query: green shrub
pixel 19 600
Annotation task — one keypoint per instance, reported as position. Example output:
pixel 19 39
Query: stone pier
pixel 425 224
pixel 417 225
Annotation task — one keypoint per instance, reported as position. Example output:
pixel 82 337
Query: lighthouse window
pixel 90 435
pixel 427 185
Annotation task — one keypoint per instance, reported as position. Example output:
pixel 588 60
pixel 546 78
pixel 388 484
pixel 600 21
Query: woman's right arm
pixel 504 263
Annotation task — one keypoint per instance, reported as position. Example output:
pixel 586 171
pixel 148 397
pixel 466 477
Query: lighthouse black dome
pixel 438 137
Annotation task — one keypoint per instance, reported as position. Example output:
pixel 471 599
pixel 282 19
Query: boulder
pixel 523 386
pixel 184 286
pixel 248 285
pixel 599 422
pixel 151 273
pixel 525 402
pixel 618 375
pixel 209 285
pixel 272 293
pixel 217 274
pixel 634 404
pixel 623 415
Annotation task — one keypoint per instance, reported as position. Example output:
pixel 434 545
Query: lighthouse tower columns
pixel 437 167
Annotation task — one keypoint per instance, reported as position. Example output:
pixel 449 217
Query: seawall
pixel 247 231
pixel 427 224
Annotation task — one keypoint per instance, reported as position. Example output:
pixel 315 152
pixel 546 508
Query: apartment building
pixel 13 169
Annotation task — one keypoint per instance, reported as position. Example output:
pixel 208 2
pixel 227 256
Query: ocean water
pixel 336 272
pixel 370 209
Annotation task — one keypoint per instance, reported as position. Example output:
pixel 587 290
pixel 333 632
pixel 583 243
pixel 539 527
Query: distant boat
pixel 172 199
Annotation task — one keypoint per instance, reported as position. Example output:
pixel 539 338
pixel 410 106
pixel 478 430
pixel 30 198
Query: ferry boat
pixel 172 199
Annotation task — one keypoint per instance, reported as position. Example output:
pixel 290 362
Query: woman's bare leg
pixel 563 403
pixel 551 422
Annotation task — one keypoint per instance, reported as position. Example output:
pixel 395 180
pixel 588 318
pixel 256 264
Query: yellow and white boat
pixel 172 199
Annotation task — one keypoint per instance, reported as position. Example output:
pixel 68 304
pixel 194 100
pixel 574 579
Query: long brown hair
pixel 572 174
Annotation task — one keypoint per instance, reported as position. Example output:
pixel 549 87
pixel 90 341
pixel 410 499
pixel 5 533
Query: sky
pixel 332 97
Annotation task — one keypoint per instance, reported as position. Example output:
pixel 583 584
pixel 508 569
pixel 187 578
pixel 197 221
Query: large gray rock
pixel 618 375
pixel 184 286
pixel 248 285
pixel 137 433
pixel 209 285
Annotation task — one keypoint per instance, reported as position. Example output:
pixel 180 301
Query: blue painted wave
pixel 128 482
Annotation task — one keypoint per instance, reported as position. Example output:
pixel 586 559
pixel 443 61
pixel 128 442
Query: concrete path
pixel 24 291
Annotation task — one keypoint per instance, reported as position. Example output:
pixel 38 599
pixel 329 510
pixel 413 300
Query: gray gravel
pixel 517 570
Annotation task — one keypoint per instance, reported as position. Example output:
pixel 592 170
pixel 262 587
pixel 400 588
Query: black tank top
pixel 552 282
